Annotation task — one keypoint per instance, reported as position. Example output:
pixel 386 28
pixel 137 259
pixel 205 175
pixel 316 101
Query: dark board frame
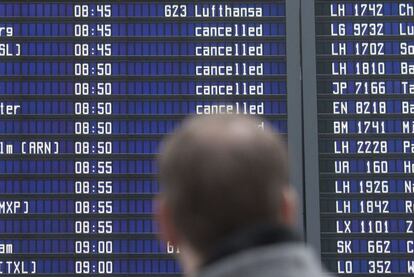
pixel 294 96
pixel 310 125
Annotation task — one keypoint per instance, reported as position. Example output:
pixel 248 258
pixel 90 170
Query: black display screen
pixel 88 90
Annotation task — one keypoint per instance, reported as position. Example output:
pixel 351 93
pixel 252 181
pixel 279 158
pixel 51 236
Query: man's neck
pixel 259 235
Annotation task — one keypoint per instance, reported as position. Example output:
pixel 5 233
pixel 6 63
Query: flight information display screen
pixel 87 91
pixel 365 106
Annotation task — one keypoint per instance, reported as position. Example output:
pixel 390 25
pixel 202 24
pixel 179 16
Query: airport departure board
pixel 365 106
pixel 88 90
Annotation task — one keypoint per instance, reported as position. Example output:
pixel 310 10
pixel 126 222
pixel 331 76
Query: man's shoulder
pixel 278 260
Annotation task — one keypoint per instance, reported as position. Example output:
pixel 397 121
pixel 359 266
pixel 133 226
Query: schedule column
pixel 365 125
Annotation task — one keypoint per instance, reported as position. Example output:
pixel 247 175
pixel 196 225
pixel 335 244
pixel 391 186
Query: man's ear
pixel 164 217
pixel 289 207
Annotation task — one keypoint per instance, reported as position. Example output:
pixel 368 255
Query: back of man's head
pixel 221 174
